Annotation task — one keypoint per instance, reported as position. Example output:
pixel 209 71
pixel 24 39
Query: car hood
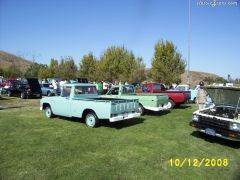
pixel 224 95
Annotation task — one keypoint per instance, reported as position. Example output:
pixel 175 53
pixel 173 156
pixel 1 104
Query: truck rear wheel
pixel 170 104
pixel 92 120
pixel 141 109
pixel 48 112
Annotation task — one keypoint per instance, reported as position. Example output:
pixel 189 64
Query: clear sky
pixel 54 28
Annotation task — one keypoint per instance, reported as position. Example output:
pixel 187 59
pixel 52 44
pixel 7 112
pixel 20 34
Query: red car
pixel 175 97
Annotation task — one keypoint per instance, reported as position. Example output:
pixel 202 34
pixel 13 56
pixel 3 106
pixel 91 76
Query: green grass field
pixel 33 147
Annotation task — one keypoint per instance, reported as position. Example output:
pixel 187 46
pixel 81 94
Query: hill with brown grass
pixel 196 77
pixel 8 59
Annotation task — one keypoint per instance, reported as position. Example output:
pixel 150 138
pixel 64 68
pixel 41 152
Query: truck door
pixel 62 104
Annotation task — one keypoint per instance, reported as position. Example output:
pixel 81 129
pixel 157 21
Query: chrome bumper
pixel 124 117
pixel 160 108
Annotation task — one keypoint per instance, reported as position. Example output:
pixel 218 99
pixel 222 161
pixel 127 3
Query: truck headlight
pixel 195 117
pixel 235 126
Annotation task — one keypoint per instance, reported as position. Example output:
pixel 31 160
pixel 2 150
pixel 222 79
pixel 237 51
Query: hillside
pixel 7 59
pixel 196 77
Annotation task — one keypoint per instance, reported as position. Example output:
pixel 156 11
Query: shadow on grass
pixel 10 107
pixel 158 113
pixel 182 106
pixel 123 124
pixel 106 123
pixel 218 140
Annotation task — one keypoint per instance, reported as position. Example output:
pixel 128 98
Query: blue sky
pixel 51 29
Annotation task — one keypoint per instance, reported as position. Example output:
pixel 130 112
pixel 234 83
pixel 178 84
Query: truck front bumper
pixel 124 117
pixel 222 133
pixel 160 108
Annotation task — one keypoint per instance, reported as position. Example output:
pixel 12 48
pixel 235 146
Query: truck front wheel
pixel 92 120
pixel 48 112
pixel 170 104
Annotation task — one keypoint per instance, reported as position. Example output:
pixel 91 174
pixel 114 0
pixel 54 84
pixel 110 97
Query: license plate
pixel 210 132
pixel 38 95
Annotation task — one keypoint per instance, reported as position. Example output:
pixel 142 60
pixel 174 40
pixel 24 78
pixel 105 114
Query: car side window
pixel 66 91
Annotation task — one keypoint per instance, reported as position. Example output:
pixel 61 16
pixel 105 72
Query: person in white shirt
pixel 105 87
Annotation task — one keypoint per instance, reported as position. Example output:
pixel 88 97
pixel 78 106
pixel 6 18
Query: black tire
pixel 92 120
pixel 23 95
pixel 141 109
pixel 48 112
pixel 49 93
pixel 9 93
pixel 171 104
pixel 194 101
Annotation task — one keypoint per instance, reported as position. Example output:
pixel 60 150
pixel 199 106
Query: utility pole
pixel 189 41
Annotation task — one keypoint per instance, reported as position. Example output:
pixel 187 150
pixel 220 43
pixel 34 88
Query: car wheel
pixel 91 120
pixel 170 104
pixel 194 100
pixel 48 112
pixel 48 93
pixel 23 96
pixel 141 109
pixel 9 93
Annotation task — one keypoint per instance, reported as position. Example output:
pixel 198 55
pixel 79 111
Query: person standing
pixel 105 87
pixel 100 87
pixel 201 98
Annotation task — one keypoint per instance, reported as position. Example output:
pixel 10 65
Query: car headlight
pixel 195 117
pixel 235 126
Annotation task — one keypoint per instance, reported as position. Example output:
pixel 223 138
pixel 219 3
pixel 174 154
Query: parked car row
pixel 122 102
pixel 28 89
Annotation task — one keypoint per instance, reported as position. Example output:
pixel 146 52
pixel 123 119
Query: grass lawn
pixel 34 147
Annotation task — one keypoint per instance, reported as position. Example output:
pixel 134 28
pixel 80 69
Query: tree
pixel 33 70
pixel 53 68
pixel 12 71
pixel 167 63
pixel 88 67
pixel 67 68
pixel 118 63
pixel 138 73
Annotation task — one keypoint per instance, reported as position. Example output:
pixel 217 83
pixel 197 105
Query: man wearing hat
pixel 201 98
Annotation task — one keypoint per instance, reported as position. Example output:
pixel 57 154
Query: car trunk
pixel 34 86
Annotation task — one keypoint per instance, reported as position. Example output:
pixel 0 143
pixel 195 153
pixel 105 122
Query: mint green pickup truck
pixel 146 101
pixel 82 101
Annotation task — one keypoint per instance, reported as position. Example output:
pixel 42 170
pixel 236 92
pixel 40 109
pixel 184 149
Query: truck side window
pixel 66 91
pixel 78 90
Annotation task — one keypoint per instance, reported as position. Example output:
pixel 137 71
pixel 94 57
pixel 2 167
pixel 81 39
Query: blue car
pixel 47 90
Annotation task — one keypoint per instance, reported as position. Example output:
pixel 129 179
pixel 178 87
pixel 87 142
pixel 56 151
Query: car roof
pixel 78 84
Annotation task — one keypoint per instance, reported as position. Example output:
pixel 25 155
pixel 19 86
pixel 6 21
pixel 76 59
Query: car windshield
pixel 79 90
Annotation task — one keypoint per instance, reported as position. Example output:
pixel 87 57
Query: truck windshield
pixel 79 90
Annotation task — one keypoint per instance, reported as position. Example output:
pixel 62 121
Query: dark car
pixel 28 89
